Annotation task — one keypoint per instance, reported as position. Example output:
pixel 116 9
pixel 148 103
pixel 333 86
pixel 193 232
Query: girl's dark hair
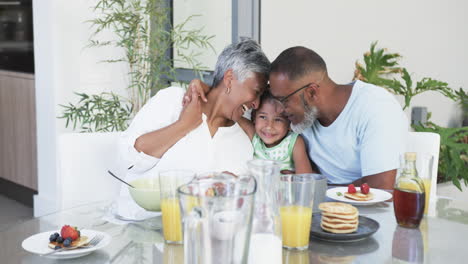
pixel 265 97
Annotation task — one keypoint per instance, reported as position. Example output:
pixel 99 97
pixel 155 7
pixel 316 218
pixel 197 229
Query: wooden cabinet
pixel 18 149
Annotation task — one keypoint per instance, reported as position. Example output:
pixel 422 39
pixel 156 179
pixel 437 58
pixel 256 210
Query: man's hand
pixel 191 115
pixel 384 180
pixel 196 88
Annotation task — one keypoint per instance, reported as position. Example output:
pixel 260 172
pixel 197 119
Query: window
pixel 228 21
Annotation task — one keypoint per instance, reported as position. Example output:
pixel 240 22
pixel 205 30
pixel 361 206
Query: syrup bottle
pixel 409 194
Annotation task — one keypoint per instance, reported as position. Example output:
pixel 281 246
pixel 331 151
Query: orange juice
pixel 172 224
pixel 427 187
pixel 295 222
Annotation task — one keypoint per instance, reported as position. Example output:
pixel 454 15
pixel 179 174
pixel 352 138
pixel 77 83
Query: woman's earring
pixel 228 91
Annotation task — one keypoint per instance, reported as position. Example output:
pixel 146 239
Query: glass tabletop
pixel 440 239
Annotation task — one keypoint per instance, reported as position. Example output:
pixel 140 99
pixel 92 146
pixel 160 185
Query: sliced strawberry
pixel 351 188
pixel 365 188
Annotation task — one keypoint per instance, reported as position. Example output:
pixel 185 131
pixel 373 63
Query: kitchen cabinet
pixel 18 155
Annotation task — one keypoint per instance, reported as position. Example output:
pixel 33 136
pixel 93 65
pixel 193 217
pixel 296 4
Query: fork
pixel 92 243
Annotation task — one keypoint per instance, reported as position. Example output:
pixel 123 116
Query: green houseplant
pixel 144 32
pixel 382 68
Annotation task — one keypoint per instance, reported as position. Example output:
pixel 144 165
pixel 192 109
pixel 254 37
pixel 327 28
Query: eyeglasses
pixel 284 98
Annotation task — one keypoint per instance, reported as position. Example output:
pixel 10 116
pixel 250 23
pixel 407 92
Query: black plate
pixel 366 228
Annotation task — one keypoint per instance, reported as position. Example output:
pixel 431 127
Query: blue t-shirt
pixel 367 137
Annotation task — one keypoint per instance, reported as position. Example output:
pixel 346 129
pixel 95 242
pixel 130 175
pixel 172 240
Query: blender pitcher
pixel 217 218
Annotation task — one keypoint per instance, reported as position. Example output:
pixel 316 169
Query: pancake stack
pixel 339 218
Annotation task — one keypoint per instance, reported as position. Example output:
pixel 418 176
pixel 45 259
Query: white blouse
pixel 228 150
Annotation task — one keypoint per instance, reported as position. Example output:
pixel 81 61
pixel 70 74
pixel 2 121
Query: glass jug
pixel 217 218
pixel 266 239
pixel 409 196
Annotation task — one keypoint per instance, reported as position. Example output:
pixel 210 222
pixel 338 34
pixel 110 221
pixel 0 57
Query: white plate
pixel 379 196
pixel 38 244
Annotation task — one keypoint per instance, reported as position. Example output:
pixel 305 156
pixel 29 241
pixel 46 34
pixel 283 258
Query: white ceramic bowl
pixel 146 193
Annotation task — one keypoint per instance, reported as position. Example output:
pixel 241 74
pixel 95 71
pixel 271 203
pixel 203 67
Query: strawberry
pixel 365 188
pixel 351 188
pixel 71 232
pixel 210 192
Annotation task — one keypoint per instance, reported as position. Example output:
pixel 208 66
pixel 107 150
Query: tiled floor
pixel 12 212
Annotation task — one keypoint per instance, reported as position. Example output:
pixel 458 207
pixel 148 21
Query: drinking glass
pixel 173 254
pixel 296 200
pixel 217 216
pixel 295 257
pixel 424 163
pixel 170 180
pixel 320 191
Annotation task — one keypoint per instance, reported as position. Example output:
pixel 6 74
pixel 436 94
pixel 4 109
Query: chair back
pixel 84 159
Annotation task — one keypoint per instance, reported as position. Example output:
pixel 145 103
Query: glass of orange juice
pixel 424 164
pixel 169 181
pixel 296 202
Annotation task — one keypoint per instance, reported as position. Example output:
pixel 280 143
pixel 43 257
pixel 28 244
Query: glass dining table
pixel 440 239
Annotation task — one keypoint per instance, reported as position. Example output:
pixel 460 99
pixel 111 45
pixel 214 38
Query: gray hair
pixel 243 58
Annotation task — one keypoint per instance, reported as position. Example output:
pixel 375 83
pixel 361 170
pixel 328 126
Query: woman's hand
pixel 196 88
pixel 191 115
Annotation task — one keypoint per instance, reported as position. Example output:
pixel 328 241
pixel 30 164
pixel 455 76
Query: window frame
pixel 244 24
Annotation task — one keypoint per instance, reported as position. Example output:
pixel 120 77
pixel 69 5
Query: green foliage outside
pixel 146 36
pixel 382 68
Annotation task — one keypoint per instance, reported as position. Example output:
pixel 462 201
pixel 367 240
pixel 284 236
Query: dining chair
pixel 84 159
pixel 426 143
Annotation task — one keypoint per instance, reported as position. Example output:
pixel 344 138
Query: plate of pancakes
pixel 374 196
pixel 341 222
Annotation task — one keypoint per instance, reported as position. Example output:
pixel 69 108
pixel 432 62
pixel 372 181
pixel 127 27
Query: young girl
pixel 272 139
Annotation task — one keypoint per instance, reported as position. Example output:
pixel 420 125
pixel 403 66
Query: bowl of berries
pixel 145 193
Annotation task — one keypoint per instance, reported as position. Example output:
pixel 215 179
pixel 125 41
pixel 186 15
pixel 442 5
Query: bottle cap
pixel 410 156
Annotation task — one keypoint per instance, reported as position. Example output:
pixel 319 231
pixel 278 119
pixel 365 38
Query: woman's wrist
pixel 182 127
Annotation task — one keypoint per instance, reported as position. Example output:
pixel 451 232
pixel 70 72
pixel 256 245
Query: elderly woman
pixel 201 136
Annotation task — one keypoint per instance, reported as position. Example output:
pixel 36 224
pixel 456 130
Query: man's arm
pixel 384 180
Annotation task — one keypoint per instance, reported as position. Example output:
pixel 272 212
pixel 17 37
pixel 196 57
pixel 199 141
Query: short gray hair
pixel 243 58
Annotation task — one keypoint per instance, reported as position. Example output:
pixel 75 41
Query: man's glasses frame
pixel 284 98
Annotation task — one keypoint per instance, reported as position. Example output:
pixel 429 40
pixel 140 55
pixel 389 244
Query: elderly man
pixel 354 132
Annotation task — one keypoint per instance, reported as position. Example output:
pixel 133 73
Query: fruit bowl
pixel 146 193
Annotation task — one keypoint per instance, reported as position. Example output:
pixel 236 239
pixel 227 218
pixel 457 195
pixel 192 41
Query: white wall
pixel 64 66
pixel 432 35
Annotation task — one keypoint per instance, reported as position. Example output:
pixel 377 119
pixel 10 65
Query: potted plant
pixel 144 32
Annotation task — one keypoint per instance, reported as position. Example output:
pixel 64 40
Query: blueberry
pixel 59 239
pixel 52 238
pixel 67 242
pixel 57 247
